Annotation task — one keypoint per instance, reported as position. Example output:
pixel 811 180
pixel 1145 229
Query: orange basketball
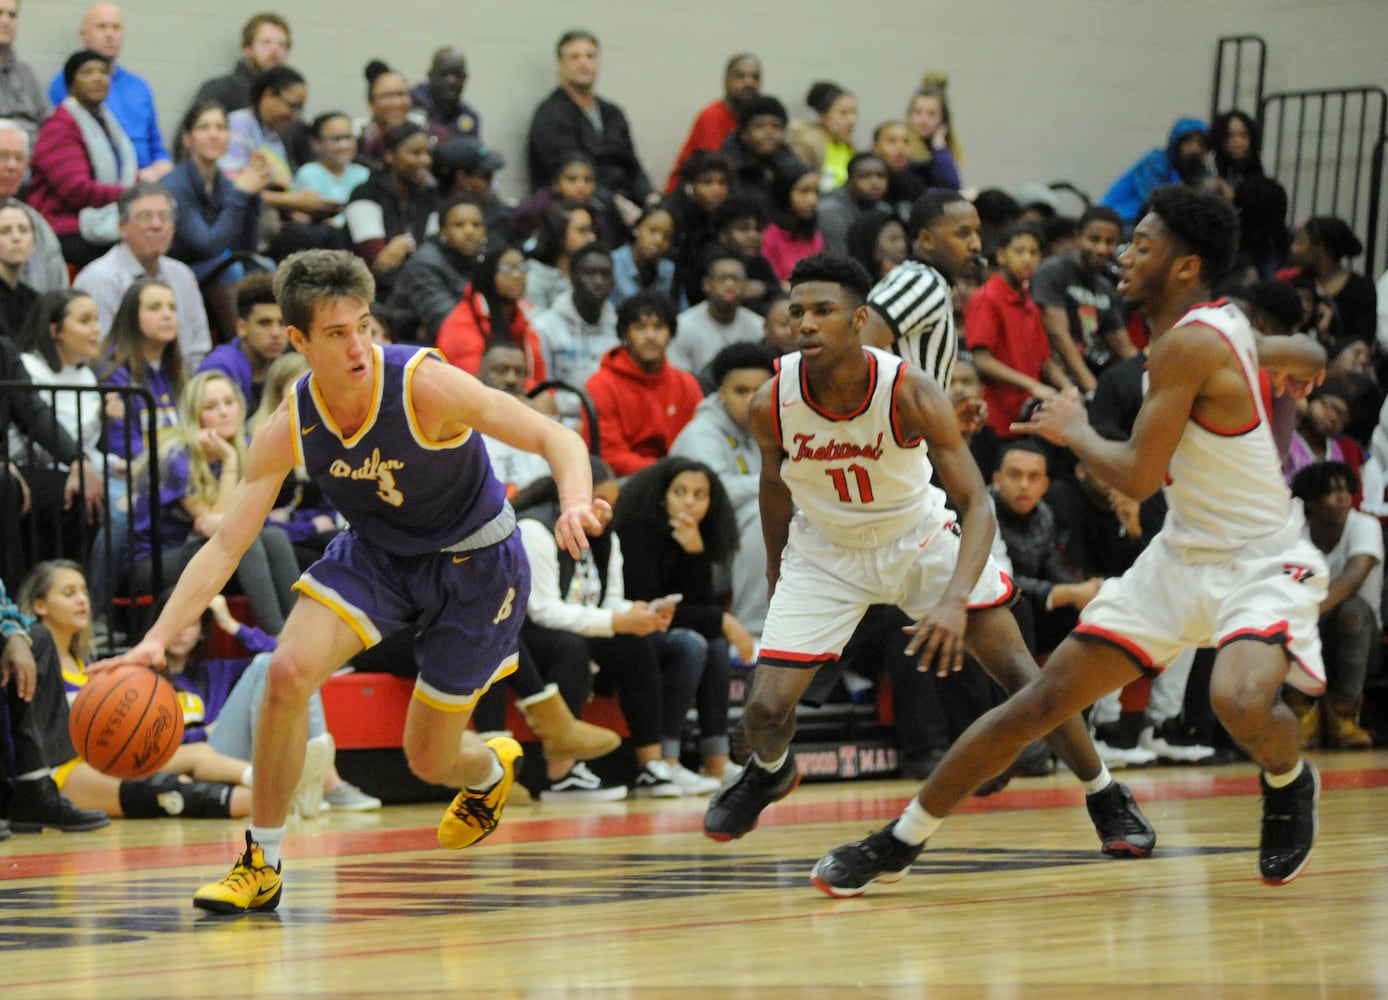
pixel 126 722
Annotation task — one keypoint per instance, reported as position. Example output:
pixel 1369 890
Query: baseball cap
pixel 468 154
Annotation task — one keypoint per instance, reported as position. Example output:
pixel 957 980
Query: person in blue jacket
pixel 1183 160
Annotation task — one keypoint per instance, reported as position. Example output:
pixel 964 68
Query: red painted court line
pixel 350 844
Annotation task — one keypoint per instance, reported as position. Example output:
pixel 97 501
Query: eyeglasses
pixel 513 268
pixel 294 106
pixel 146 216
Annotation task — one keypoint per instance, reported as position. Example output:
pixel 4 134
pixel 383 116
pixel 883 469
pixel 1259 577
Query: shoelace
pixel 477 811
pixel 243 873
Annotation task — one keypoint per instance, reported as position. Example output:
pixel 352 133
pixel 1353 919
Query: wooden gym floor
pixel 628 899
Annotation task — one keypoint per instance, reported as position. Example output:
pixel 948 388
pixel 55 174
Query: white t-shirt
pixel 1362 537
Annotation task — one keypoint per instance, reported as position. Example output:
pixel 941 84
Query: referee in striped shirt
pixel 912 312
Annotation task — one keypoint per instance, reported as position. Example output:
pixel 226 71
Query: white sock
pixel 246 775
pixel 773 766
pixel 915 825
pixel 42 772
pixel 269 838
pixel 493 776
pixel 1283 780
pixel 1099 782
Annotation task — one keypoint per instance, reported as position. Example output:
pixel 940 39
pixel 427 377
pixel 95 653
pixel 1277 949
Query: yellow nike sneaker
pixel 474 815
pixel 251 885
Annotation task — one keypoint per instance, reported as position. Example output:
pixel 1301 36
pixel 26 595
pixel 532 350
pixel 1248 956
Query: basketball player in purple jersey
pixel 1230 568
pixel 392 434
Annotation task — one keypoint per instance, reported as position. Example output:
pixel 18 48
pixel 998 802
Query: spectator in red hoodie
pixel 642 401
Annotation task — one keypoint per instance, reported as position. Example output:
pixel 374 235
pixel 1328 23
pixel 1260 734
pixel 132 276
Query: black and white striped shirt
pixel 915 301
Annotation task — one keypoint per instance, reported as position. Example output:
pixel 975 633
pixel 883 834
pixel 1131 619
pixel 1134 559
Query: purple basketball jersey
pixel 400 492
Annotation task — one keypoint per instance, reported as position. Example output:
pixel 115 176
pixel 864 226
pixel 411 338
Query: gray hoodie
pixel 713 438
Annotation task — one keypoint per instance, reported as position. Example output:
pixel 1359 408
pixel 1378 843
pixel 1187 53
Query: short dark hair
pixel 835 269
pixel 277 79
pixel 1203 224
pixel 716 252
pixel 594 249
pixel 1017 229
pixel 568 158
pixel 1315 481
pixel 575 35
pixel 647 302
pixel 928 207
pixel 763 105
pixel 996 207
pixel 738 206
pixel 858 159
pixel 397 135
pixel 316 127
pixel 704 161
pixel 1100 213
pixel 254 290
pixel 1279 301
pixel 453 201
pixel 198 109
pixel 743 354
pixel 1022 444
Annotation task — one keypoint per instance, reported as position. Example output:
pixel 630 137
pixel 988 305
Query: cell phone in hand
pixel 669 600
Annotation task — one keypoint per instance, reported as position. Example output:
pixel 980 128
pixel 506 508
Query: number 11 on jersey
pixel 860 476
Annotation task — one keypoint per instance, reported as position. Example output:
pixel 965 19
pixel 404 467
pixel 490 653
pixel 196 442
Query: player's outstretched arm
pixel 448 401
pixel 774 499
pixel 270 459
pixel 924 411
pixel 1178 369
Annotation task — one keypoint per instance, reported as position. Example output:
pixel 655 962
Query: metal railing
pixel 47 530
pixel 1326 147
pixel 1240 85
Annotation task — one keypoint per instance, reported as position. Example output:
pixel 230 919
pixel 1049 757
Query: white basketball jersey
pixel 852 475
pixel 1224 486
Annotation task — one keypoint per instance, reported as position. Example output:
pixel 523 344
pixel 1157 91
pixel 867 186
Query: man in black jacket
pixel 574 118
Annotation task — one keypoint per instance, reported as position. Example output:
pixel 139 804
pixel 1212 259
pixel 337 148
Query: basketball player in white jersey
pixel 1230 567
pixel 850 520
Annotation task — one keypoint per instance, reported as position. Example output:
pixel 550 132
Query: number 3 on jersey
pixel 862 483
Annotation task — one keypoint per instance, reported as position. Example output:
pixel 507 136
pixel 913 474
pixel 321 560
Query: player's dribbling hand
pixel 149 653
pixel 574 526
pixel 1054 418
pixel 939 638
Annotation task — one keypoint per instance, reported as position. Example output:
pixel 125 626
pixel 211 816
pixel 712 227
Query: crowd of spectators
pixel 658 313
